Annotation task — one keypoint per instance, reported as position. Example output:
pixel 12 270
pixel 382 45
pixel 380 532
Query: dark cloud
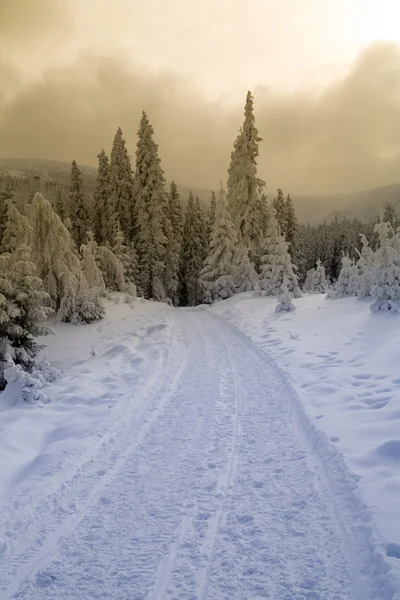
pixel 344 138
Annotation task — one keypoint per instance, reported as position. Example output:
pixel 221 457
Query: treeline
pixel 131 235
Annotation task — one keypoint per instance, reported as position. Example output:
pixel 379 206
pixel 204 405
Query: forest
pixel 65 246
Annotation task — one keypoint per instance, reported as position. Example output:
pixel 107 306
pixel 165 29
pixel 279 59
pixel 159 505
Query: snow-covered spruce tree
pixel 280 212
pixel 211 215
pixel 174 245
pixel 347 283
pixel 364 265
pixel 385 274
pixel 309 281
pixel 283 270
pixel 102 206
pixel 152 214
pixel 316 282
pixel 245 276
pixel 23 306
pixel 6 194
pixel 78 207
pixel 16 230
pixel 268 259
pixel 244 188
pixel 61 205
pixel 126 254
pixel 202 225
pixel 394 241
pixel 90 268
pixel 390 216
pixel 58 265
pixel 122 207
pixel 112 270
pixel 291 226
pixel 192 256
pixel 276 263
pixel 285 303
pixel 53 252
pixel 217 276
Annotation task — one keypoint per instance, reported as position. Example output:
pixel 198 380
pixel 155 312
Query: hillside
pixel 364 204
pixel 49 170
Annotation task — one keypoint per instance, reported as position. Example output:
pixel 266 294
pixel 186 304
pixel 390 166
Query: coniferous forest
pixel 64 247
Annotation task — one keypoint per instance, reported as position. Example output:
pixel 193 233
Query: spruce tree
pixel 202 226
pixel 78 207
pixel 126 254
pixel 291 226
pixel 285 303
pixel 90 268
pixel 280 212
pixel 276 263
pixel 244 187
pixel 283 270
pixel 53 252
pixel 316 282
pixel 122 198
pixel 16 230
pixel 152 214
pixel 59 267
pixel 385 274
pixel 364 265
pixel 390 215
pixel 246 278
pixel 61 206
pixel 5 195
pixel 347 283
pixel 218 274
pixel 211 215
pixel 192 256
pixel 268 257
pixel 23 306
pixel 174 245
pixel 103 207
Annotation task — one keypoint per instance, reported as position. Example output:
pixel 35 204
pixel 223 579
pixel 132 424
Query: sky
pixel 324 75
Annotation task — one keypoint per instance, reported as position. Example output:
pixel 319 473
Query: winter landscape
pixel 199 383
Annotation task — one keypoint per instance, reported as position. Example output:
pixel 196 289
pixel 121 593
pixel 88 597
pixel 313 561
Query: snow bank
pixel 102 365
pixel 344 363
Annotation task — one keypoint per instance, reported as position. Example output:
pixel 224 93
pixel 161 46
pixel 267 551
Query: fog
pixel 316 139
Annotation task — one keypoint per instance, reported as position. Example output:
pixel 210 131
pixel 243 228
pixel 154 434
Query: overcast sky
pixel 325 75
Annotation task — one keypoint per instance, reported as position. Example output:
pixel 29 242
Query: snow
pixel 221 453
pixel 343 362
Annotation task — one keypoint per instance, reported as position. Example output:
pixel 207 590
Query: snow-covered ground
pixel 177 461
pixel 344 362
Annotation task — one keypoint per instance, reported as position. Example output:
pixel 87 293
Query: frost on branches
pixel 192 255
pixel 244 187
pixel 23 306
pixel 151 212
pixel 285 303
pixel 246 278
pixel 385 274
pixel 316 282
pixel 174 245
pixel 348 282
pixel 58 265
pixel 217 275
pixel 365 263
pixel 276 264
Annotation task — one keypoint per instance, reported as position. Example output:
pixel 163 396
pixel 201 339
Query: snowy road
pixel 211 490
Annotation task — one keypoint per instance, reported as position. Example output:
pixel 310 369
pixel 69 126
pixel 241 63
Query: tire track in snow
pixel 213 529
pixel 213 506
pixel 146 414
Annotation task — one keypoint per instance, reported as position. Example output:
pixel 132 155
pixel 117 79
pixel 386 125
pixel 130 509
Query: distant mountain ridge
pixel 61 171
pixel 364 204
